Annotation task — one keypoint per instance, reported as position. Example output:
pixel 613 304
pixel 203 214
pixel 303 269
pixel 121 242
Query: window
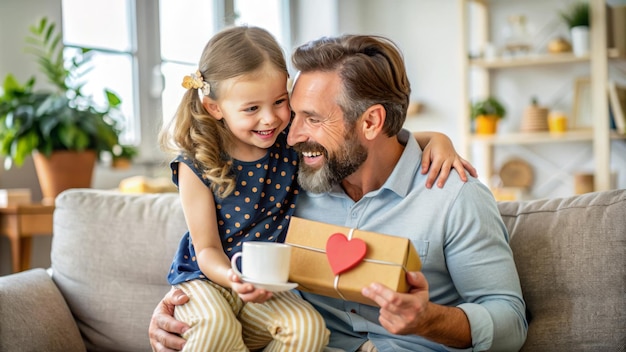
pixel 182 40
pixel 271 15
pixel 111 36
pixel 183 37
pixel 144 48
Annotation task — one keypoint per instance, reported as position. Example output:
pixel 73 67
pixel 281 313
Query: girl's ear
pixel 212 107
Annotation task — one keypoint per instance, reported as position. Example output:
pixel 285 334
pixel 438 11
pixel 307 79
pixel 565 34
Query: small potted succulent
pixel 123 156
pixel 576 17
pixel 486 113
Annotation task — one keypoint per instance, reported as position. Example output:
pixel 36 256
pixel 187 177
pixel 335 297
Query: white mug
pixel 263 262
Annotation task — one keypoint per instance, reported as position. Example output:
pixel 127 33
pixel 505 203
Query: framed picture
pixel 581 109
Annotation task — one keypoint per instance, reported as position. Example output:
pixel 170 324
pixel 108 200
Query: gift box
pixel 338 261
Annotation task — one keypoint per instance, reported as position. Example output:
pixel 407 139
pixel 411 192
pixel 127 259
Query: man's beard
pixel 340 165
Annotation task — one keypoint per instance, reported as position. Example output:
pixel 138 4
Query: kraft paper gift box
pixel 386 259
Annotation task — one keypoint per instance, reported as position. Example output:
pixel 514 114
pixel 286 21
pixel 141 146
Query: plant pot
pixel 580 40
pixel 486 124
pixel 63 170
pixel 121 163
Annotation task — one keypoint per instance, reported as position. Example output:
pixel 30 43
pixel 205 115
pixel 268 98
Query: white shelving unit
pixel 599 135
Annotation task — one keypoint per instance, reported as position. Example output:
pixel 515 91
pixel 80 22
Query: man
pixel 349 103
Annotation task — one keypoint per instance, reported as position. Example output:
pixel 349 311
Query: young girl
pixel 237 181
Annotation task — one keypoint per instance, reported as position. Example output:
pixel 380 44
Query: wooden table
pixel 20 223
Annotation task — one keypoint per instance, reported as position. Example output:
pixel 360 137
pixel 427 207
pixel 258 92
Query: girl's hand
pixel 246 291
pixel 439 157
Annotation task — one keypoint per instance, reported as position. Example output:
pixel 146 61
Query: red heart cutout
pixel 344 254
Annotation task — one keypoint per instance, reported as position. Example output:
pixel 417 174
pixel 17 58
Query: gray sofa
pixel 111 251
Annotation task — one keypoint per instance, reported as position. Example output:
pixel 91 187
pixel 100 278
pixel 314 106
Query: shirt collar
pixel 401 178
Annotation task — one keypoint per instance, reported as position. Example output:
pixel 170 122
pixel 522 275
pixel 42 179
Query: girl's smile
pixel 255 107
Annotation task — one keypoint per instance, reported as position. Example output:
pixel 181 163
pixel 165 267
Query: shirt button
pixel 353 311
pixel 354 215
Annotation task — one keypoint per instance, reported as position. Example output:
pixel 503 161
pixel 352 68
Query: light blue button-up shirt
pixel 462 243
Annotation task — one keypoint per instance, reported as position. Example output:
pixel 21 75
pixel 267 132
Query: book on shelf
pixel 617 105
pixel 611 119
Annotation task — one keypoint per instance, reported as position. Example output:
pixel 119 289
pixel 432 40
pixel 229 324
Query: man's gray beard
pixel 351 156
pixel 316 181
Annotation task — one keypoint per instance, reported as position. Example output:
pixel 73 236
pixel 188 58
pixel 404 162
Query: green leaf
pixel 7 141
pixel 67 134
pixel 49 32
pixel 81 140
pixel 488 106
pixel 113 99
pixel 23 147
pixel 11 85
pixel 42 25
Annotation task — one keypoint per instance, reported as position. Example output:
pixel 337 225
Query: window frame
pixel 147 67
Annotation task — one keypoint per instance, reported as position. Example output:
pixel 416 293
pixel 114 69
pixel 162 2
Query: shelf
pixel 533 137
pixel 538 59
pixel 585 135
pixel 478 80
pixel 529 60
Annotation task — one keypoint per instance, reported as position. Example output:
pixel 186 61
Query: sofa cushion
pixel 105 243
pixel 571 258
pixel 31 294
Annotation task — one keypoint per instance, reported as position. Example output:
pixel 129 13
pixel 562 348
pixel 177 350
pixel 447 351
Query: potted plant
pixel 576 18
pixel 60 127
pixel 123 156
pixel 486 113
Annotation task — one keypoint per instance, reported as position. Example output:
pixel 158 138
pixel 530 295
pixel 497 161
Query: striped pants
pixel 221 321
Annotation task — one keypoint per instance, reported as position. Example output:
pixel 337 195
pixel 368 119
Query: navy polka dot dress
pixel 259 209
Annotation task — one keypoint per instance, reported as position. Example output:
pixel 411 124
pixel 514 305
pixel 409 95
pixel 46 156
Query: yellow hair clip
pixel 195 81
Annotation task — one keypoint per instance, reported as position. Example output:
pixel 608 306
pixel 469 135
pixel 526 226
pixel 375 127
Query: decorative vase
pixel 580 40
pixel 63 170
pixel 535 118
pixel 486 124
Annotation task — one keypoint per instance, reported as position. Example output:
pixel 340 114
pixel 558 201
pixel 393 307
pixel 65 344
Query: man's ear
pixel 373 121
pixel 212 107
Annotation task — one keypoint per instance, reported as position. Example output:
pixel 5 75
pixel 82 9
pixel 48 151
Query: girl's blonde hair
pixel 233 52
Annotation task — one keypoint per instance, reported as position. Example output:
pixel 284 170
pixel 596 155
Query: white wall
pixel 315 19
pixel 427 33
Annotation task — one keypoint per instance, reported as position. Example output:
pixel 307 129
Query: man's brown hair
pixel 371 69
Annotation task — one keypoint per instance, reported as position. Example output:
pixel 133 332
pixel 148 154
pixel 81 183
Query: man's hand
pixel 413 313
pixel 164 330
pixel 401 313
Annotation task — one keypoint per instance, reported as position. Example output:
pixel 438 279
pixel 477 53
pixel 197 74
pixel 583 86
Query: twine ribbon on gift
pixel 336 279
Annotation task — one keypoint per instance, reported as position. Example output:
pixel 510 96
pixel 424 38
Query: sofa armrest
pixel 34 315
